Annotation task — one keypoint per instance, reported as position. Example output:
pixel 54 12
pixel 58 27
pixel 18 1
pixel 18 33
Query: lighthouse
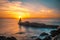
pixel 20 20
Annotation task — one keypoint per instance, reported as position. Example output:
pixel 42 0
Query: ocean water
pixel 9 27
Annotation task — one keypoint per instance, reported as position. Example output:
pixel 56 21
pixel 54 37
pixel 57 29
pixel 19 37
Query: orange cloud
pixel 15 9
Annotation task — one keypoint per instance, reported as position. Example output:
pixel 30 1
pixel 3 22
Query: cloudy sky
pixel 30 8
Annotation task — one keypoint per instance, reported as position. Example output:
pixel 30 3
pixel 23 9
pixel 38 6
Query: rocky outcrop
pixel 34 24
pixel 7 38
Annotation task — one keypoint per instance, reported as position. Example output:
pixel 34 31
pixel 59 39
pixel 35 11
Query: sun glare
pixel 20 17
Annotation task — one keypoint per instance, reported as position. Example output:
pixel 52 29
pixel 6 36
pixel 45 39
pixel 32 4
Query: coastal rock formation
pixel 7 38
pixel 11 38
pixel 34 24
pixel 43 34
pixel 38 39
pixel 2 38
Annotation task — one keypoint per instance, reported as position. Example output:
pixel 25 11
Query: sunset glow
pixel 15 9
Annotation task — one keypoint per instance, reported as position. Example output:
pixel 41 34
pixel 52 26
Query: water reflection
pixel 8 26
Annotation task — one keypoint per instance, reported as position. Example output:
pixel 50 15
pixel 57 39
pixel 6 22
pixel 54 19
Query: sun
pixel 22 15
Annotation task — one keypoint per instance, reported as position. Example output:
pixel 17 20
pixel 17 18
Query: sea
pixel 10 27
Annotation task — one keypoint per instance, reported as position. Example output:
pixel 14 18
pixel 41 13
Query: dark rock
pixel 33 37
pixel 20 33
pixel 48 38
pixel 58 31
pixel 57 37
pixel 2 38
pixel 11 38
pixel 53 33
pixel 38 39
pixel 43 34
pixel 34 24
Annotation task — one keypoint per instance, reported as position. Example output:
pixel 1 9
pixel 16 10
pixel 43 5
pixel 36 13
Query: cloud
pixel 25 9
pixel 12 8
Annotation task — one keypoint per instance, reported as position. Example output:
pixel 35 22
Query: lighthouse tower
pixel 20 20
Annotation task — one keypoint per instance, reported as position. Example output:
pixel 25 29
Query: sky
pixel 30 8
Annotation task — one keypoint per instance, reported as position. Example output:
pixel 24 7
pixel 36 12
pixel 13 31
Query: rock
pixel 20 33
pixel 38 39
pixel 11 38
pixel 2 38
pixel 33 37
pixel 43 34
pixel 37 25
pixel 53 33
pixel 48 38
pixel 57 37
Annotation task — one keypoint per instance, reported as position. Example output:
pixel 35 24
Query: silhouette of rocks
pixel 7 38
pixel 48 38
pixel 26 23
pixel 43 34
pixel 20 33
pixel 34 24
pixel 2 38
pixel 55 32
pixel 38 39
pixel 33 37
pixel 58 31
pixel 57 37
pixel 11 38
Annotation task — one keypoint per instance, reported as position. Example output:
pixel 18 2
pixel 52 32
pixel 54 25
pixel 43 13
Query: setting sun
pixel 23 15
pixel 20 15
